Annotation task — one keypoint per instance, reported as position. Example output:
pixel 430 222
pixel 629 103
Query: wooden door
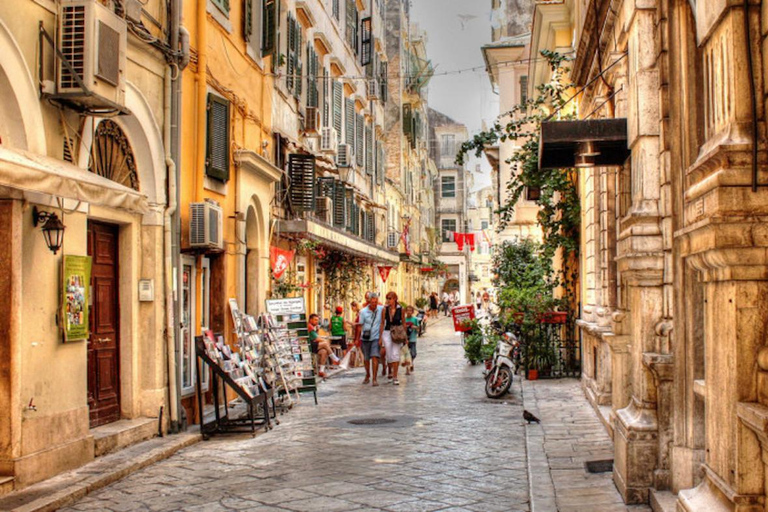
pixel 104 342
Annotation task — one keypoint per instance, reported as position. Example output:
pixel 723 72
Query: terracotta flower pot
pixel 533 374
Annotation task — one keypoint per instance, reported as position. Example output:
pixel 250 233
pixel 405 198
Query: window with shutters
pixel 339 204
pixel 223 5
pixel 293 71
pixel 369 151
pixel 217 150
pixel 349 111
pixel 313 64
pixel 383 84
pixel 301 186
pixel 349 200
pixel 326 86
pixel 448 228
pixel 351 24
pixel 366 41
pixel 359 142
pixel 371 221
pixel 523 89
pixel 407 121
pixel 338 100
pixel 382 160
pixel 448 186
pixel 335 9
pixel 269 16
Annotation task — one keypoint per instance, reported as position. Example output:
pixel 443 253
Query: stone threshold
pixel 121 434
pixel 663 501
pixel 67 488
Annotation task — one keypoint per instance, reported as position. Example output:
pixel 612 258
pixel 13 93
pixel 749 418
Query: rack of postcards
pixel 233 371
pixel 289 332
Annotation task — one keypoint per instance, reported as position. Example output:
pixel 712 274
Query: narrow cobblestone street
pixel 446 447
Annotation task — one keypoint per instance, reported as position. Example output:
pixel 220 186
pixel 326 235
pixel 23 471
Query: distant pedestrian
pixel 392 317
pixel 371 326
pixel 444 303
pixel 433 305
pixel 412 323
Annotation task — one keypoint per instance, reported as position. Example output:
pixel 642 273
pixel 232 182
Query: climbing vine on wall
pixel 347 277
pixel 559 208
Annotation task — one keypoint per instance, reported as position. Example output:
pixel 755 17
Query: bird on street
pixel 530 418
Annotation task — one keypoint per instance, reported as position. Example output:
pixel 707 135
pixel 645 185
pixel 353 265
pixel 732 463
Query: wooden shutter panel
pixel 382 156
pixel 297 57
pixel 269 19
pixel 350 120
pixel 290 69
pixel 336 9
pixel 217 151
pixel 327 100
pixel 384 87
pixel 339 204
pixel 247 19
pixel 371 220
pixel 359 141
pixel 325 187
pixel 301 171
pixel 369 151
pixel 338 99
pixel 407 121
pixel 351 25
pixel 349 199
pixel 366 45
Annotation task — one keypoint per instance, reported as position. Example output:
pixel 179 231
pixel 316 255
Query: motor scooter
pixel 499 376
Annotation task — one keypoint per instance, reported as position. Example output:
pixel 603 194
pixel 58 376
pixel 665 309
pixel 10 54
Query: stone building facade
pixel 673 250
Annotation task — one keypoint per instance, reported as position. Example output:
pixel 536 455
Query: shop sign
pixel 292 306
pixel 76 275
pixel 462 314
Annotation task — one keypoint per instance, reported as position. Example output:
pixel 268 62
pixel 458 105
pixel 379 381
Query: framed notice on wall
pixel 75 291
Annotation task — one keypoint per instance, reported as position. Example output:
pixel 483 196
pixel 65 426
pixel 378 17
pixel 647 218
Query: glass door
pixel 187 334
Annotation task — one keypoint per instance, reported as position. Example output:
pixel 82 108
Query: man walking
pixel 371 329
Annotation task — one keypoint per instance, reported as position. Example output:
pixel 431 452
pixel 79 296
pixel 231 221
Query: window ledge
pixel 215 185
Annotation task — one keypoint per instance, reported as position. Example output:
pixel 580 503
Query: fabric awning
pixel 26 171
pixel 560 141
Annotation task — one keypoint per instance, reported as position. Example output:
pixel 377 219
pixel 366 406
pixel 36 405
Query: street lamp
pixel 53 228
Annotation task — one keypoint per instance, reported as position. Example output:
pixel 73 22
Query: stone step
pixel 663 501
pixel 6 484
pixel 120 434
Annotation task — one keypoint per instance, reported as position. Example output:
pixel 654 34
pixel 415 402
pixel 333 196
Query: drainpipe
pixel 202 94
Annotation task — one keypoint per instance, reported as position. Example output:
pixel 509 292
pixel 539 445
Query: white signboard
pixel 293 306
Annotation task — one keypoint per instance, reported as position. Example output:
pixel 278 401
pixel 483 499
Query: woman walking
pixel 393 319
pixel 433 305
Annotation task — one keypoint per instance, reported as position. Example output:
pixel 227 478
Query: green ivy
pixel 559 206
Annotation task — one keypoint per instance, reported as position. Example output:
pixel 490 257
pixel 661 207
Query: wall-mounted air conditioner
pixel 93 40
pixel 345 156
pixel 205 226
pixel 328 140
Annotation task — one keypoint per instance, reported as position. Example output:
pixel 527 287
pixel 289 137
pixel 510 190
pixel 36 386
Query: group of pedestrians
pixel 446 302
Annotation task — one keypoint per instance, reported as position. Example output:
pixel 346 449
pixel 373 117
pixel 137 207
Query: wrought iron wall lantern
pixel 583 144
pixel 53 228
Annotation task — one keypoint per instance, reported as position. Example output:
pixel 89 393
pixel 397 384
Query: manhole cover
pixel 372 421
pixel 599 466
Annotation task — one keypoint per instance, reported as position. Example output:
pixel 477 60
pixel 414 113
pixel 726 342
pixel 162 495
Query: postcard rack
pixel 254 397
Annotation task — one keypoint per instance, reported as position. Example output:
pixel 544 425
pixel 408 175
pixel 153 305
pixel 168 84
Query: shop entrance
pixel 104 341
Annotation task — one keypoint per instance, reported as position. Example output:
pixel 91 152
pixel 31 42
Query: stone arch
pixel 256 257
pixel 146 141
pixel 21 119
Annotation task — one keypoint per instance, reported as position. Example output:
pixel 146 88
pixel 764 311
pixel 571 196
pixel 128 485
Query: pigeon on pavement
pixel 530 418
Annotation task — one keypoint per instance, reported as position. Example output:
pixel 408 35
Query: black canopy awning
pixel 561 142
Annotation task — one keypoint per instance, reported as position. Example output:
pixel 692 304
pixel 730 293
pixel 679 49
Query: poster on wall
pixel 76 274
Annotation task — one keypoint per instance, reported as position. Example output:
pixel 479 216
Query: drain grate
pixel 372 421
pixel 599 466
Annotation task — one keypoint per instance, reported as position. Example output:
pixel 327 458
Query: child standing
pixel 412 325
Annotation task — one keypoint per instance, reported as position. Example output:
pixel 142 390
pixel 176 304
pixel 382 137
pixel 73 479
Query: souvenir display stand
pixel 287 326
pixel 228 372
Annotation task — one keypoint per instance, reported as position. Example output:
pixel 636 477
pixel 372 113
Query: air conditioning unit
pixel 345 156
pixel 329 141
pixel 205 226
pixel 373 89
pixel 93 40
pixel 312 121
pixel 392 240
pixel 324 209
pixel 310 143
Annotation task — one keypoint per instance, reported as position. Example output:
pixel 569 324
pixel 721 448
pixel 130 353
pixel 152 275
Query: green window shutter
pixel 247 19
pixel 269 19
pixel 366 44
pixel 384 89
pixel 290 69
pixel 338 99
pixel 359 142
pixel 350 120
pixel 301 189
pixel 223 5
pixel 217 150
pixel 349 200
pixel 381 158
pixel 338 204
pixel 369 151
pixel 336 9
pixel 351 25
pixel 327 101
pixel 297 55
pixel 407 121
pixel 371 220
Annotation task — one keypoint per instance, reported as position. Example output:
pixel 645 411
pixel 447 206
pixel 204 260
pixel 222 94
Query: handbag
pixel 397 332
pixel 366 334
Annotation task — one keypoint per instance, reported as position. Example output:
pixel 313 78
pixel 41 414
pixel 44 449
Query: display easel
pixel 288 325
pixel 220 381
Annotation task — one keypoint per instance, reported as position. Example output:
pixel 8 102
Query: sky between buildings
pixel 456 30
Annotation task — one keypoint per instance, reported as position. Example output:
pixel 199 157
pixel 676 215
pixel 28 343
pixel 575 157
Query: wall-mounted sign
pixel 146 290
pixel 279 307
pixel 76 275
pixel 461 315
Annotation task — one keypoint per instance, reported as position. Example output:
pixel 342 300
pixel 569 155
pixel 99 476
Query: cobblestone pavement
pixel 448 449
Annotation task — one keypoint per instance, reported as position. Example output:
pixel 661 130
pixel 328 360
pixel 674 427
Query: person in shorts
pixel 338 329
pixel 412 326
pixel 371 328
pixel 320 345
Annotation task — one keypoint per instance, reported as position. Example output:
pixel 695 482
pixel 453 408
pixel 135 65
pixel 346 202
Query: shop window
pixel 217 151
pixel 448 186
pixel 448 228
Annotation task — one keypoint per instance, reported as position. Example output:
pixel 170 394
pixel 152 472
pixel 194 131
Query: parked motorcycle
pixel 499 375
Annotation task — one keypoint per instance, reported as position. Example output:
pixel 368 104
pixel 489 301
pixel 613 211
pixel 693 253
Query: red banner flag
pixel 280 259
pixel 384 273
